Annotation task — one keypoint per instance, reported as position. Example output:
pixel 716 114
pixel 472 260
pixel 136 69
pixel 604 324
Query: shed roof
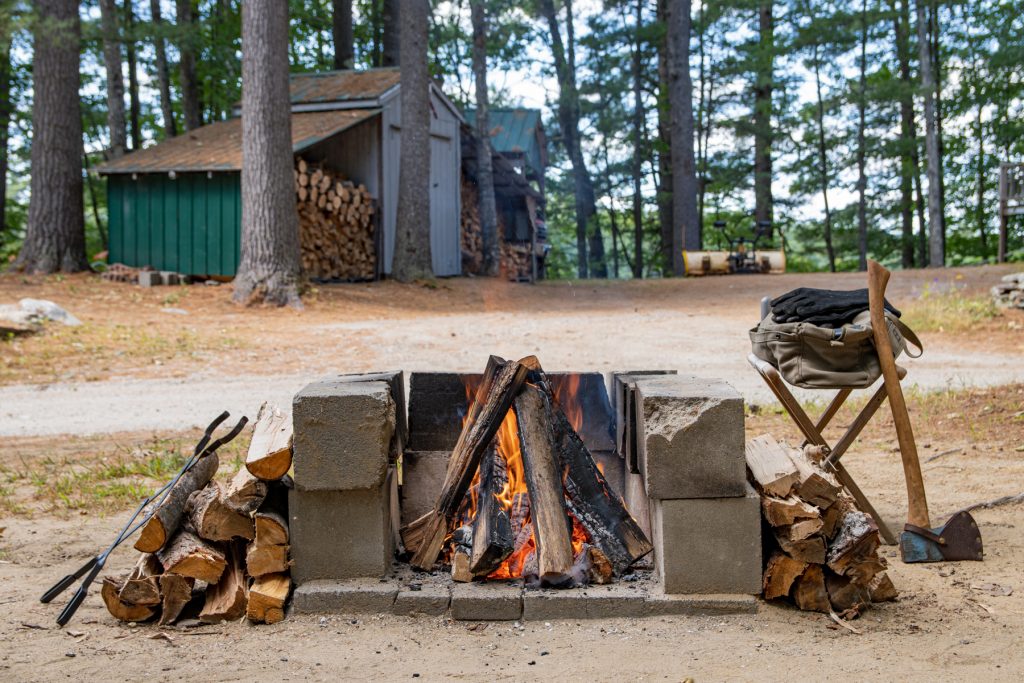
pixel 342 86
pixel 218 146
pixel 516 131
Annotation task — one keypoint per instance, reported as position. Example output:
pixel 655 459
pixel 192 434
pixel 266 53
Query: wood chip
pixel 842 622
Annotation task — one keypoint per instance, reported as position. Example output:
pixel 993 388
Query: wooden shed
pixel 176 205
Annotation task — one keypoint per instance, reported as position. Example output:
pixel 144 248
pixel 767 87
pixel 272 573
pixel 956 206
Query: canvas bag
pixel 814 357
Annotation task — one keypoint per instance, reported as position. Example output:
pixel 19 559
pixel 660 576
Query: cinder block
pixel 396 381
pixel 150 278
pixel 340 534
pixel 541 605
pixel 690 438
pixel 430 600
pixel 615 601
pixel 343 433
pixel 708 545
pixel 355 596
pixel 659 604
pixel 621 383
pixel 637 502
pixel 487 601
pixel 169 278
pixel 422 478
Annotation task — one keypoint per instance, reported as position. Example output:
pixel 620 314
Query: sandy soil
pixel 134 366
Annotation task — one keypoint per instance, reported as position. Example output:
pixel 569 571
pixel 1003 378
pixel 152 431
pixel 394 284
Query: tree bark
pixel 163 75
pixel 665 222
pixel 686 228
pixel 908 135
pixel 391 27
pixel 412 258
pixel 936 218
pixel 187 34
pixel 6 40
pixel 269 270
pixel 830 250
pixel 639 122
pixel 55 233
pixel 862 180
pixel 134 105
pixel 484 173
pixel 115 79
pixel 763 114
pixel 569 121
pixel 341 30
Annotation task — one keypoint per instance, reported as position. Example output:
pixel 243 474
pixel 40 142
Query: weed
pixel 948 309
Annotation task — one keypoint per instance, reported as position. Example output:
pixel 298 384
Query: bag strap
pixel 909 335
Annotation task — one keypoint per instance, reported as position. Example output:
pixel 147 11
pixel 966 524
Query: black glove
pixel 822 306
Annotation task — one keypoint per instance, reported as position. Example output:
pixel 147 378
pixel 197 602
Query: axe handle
pixel 917 504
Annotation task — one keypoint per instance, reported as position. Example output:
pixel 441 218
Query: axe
pixel 957 539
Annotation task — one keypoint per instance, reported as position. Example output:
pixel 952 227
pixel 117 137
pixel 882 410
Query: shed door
pixel 445 250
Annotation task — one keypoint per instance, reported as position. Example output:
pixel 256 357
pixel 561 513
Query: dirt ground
pixel 952 621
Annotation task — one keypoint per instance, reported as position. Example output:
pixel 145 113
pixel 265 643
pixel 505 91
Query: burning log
pixel 492 528
pixel 501 382
pixel 551 526
pixel 164 523
pixel 610 526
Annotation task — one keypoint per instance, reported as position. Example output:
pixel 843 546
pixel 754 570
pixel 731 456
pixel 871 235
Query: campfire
pixel 523 497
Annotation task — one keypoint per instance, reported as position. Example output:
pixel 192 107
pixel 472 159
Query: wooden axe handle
pixel 917 504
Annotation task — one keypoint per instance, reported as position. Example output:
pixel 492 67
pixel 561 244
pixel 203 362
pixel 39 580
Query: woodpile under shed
pixel 337 224
pixel 823 552
pixel 218 551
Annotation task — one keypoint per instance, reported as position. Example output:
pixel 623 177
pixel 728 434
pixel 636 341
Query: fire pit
pixel 522 494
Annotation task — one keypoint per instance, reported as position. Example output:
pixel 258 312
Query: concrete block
pixel 150 278
pixel 621 384
pixel 396 381
pixel 637 502
pixel 690 437
pixel 169 278
pixel 422 478
pixel 437 403
pixel 546 605
pixel 660 604
pixel 343 433
pixel 340 534
pixel 430 600
pixel 616 601
pixel 355 596
pixel 487 601
pixel 708 545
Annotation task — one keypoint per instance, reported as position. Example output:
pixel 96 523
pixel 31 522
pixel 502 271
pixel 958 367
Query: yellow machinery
pixel 743 255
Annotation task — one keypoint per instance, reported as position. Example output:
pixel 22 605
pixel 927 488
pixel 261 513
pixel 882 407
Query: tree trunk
pixel 763 114
pixel 569 121
pixel 269 269
pixel 187 30
pixel 115 79
pixel 705 112
pixel 55 232
pixel 908 152
pixel 665 221
pixel 862 180
pixel 933 28
pixel 412 230
pixel 936 218
pixel 391 27
pixel 134 105
pixel 6 39
pixel 484 174
pixel 830 251
pixel 639 122
pixel 163 75
pixel 686 228
pixel 376 28
pixel 341 28
pixel 979 132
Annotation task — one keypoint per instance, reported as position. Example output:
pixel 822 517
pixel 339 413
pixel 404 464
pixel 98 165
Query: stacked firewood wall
pixel 824 551
pixel 216 550
pixel 515 260
pixel 336 224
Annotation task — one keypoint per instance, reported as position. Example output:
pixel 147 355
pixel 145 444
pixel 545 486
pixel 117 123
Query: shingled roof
pixel 218 146
pixel 342 86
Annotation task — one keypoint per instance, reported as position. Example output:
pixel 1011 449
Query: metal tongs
pixel 143 513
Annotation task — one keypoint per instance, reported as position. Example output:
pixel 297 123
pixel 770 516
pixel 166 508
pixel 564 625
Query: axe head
pixel 957 539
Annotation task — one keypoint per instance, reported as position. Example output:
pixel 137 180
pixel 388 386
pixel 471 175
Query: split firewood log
pixel 119 609
pixel 780 575
pixel 176 591
pixel 809 592
pixel 771 467
pixel 189 555
pixel 213 520
pixel 245 493
pixel 267 597
pixel 226 600
pixel 142 587
pixel 164 523
pixel 270 450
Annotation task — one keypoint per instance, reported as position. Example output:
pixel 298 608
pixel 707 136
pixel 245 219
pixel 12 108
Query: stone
pixel 487 601
pixel 169 278
pixel 690 438
pixel 150 278
pixel 708 545
pixel 431 600
pixel 340 534
pixel 354 596
pixel 546 605
pixel 343 432
pixel 423 475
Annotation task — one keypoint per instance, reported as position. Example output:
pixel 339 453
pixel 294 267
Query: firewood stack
pixel 472 232
pixel 217 548
pixel 824 551
pixel 336 224
pixel 515 261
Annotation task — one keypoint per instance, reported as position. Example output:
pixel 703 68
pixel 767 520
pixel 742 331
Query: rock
pixel 48 310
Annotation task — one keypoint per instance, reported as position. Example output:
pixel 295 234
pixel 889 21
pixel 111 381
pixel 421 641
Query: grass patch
pixel 948 309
